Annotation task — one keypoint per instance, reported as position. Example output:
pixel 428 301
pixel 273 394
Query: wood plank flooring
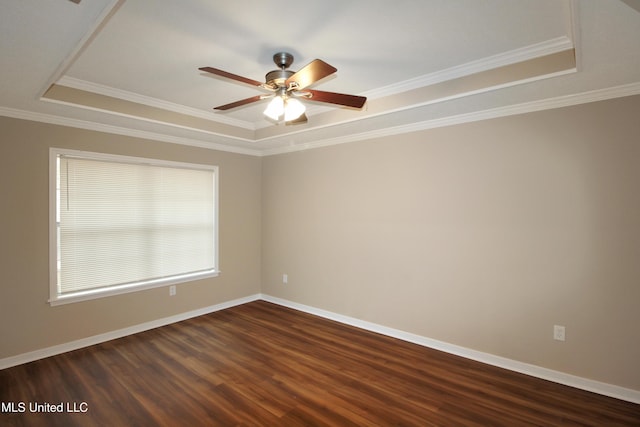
pixel 260 364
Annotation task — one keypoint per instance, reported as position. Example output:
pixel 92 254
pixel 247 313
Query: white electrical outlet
pixel 558 333
pixel 285 278
pixel 172 290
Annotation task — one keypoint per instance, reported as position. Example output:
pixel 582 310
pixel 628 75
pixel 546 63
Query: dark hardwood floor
pixel 262 364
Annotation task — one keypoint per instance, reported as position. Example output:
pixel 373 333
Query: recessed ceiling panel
pixel 131 66
pixel 154 47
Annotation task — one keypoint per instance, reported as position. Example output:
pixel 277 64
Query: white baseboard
pixel 513 365
pixel 97 339
pixel 490 359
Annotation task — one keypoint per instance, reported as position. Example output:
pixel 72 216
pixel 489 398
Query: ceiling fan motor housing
pixel 278 77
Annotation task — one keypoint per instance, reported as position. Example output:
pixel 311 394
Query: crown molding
pixel 145 119
pixel 526 107
pixel 118 130
pixel 149 101
pixel 546 47
pixel 102 19
pixel 537 50
pixel 572 16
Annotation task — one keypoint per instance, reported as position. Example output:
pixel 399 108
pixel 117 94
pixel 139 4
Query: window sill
pixel 91 294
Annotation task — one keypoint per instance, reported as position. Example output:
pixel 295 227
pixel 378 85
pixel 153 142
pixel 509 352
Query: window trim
pixel 54 297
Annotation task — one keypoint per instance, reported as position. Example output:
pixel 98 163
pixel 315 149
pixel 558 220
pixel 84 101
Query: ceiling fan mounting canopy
pixel 287 84
pixel 283 59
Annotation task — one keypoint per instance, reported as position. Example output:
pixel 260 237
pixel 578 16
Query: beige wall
pixel 27 322
pixel 483 235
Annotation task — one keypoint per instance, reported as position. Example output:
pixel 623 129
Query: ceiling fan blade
pixel 300 120
pixel 240 103
pixel 336 98
pixel 231 76
pixel 310 73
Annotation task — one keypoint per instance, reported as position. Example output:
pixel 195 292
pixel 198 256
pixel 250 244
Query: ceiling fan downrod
pixel 277 78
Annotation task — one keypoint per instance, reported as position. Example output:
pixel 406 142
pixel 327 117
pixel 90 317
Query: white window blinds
pixel 122 223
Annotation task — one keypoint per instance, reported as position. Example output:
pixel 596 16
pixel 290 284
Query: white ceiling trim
pixel 537 50
pixel 102 19
pixel 425 103
pixel 149 101
pixel 145 119
pixel 118 130
pixel 573 30
pixel 547 47
pixel 527 107
pixel 530 52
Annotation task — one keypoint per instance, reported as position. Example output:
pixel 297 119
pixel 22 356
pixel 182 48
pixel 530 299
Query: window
pixel 121 224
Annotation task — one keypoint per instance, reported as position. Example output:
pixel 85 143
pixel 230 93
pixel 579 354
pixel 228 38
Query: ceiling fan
pixel 287 86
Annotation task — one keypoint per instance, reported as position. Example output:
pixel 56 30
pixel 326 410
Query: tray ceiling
pixel 131 67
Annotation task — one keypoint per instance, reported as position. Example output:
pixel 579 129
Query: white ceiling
pixel 409 57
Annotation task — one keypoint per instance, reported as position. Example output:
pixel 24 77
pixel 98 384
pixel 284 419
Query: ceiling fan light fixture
pixel 289 107
pixel 293 109
pixel 275 109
